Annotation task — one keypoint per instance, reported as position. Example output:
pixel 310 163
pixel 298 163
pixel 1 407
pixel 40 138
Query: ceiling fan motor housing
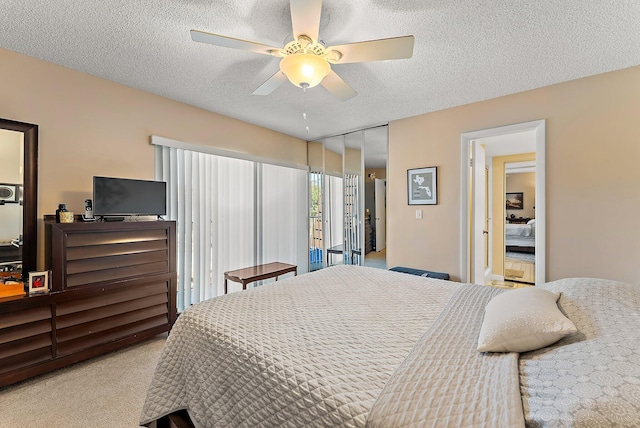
pixel 305 70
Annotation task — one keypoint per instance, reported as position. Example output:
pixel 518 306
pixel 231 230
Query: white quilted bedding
pixel 446 382
pixel 519 230
pixel 352 346
pixel 592 377
pixel 314 350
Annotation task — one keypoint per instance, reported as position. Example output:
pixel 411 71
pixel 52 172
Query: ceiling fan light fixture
pixel 304 68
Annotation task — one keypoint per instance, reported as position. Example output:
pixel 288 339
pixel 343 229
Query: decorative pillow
pixel 532 223
pixel 522 320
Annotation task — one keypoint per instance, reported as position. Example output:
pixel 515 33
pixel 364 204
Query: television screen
pixel 122 196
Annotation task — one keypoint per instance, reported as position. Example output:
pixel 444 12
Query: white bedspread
pixel 352 346
pixel 592 377
pixel 446 382
pixel 523 230
pixel 315 350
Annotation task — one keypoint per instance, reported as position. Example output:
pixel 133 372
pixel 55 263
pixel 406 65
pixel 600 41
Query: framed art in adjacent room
pixel 38 282
pixel 8 193
pixel 515 201
pixel 422 186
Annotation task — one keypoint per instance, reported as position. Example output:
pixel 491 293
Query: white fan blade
pixel 230 42
pixel 305 18
pixel 338 87
pixel 271 84
pixel 375 50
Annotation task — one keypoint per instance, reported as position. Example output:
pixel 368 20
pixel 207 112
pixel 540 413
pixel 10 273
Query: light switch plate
pixel 419 214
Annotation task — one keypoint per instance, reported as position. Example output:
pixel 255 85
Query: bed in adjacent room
pixel 357 346
pixel 521 238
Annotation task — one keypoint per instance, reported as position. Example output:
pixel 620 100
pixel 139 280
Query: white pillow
pixel 532 223
pixel 522 320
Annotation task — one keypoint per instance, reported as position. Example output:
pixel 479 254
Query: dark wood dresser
pixel 518 220
pixel 112 284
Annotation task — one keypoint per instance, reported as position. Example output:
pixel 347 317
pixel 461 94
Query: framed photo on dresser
pixel 38 282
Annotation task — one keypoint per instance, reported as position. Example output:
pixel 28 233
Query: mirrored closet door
pixel 347 199
pixel 375 155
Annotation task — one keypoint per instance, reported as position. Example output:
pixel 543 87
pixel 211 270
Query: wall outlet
pixel 419 214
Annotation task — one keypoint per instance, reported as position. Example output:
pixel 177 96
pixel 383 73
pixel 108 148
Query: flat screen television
pixel 125 197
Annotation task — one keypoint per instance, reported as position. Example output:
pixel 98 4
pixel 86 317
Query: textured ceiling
pixel 465 51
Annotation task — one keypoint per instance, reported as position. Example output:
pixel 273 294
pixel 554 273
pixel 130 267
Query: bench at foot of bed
pixel 420 272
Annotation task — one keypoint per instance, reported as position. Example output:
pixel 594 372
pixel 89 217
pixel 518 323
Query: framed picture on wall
pixel 515 201
pixel 422 186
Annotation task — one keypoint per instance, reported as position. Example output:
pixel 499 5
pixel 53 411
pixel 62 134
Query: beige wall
pixel 11 149
pixel 89 126
pixel 592 145
pixel 11 155
pixel 332 163
pixel 524 182
pixel 315 157
pixel 353 161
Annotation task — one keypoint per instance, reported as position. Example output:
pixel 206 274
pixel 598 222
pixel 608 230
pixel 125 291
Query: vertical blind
pixel 230 214
pixel 352 227
pixel 316 210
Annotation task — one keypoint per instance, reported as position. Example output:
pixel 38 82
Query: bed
pixel 521 238
pixel 356 346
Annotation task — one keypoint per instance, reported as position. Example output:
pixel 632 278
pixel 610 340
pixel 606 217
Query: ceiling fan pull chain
pixel 304 106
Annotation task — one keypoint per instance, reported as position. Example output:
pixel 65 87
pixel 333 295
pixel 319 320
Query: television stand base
pixel 113 218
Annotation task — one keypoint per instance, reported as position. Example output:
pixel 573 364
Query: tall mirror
pixel 18 197
pixel 348 200
pixel 354 226
pixel 333 219
pixel 315 158
pixel 376 142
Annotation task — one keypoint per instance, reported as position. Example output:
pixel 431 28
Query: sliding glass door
pixel 231 213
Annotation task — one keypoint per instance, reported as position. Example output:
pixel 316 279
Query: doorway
pixel 475 226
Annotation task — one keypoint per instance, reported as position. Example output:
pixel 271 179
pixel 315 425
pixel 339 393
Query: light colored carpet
pixel 107 391
pixel 376 259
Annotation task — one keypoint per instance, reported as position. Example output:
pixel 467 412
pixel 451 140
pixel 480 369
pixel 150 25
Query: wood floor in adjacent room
pixel 517 273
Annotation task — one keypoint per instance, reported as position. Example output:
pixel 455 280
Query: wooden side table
pixel 257 273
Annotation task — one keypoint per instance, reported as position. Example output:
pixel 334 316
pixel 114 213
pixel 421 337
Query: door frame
pixel 541 204
pixel 478 197
pixel 380 202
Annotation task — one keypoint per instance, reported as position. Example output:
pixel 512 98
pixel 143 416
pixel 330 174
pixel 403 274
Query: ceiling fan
pixel 306 61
